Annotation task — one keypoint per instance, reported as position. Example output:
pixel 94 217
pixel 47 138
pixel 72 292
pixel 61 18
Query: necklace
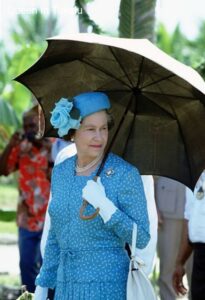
pixel 89 166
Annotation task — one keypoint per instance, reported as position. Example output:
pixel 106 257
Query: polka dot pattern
pixel 86 260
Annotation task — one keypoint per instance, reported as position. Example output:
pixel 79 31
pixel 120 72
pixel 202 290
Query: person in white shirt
pixel 193 240
pixel 147 254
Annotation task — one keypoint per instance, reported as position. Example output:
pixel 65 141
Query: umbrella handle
pixel 83 207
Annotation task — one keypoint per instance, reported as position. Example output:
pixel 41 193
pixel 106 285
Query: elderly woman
pixel 87 259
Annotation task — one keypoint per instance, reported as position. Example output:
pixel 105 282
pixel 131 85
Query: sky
pixel 188 13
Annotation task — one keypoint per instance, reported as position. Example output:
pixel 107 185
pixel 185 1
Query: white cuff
pixel 107 209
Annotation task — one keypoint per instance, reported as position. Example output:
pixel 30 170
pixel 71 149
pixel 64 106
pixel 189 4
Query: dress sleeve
pixel 132 208
pixel 48 273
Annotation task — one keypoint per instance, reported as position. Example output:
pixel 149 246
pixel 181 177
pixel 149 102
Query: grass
pixel 8 196
pixel 8 204
pixel 10 280
pixel 8 227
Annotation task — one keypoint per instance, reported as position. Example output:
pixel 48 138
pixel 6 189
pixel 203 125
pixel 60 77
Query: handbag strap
pixel 134 239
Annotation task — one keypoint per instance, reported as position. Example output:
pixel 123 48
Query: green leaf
pixel 8 116
pixel 137 18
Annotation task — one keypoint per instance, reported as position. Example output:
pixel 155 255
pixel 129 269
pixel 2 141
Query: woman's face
pixel 91 138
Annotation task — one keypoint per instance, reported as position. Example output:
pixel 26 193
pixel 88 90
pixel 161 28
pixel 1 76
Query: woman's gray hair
pixel 110 122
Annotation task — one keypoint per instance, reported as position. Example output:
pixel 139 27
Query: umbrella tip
pixel 136 91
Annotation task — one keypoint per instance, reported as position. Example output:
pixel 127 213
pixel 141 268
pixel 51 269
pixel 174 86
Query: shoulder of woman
pixel 63 162
pixel 120 164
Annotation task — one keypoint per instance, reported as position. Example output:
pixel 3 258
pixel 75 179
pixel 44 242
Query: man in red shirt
pixel 31 157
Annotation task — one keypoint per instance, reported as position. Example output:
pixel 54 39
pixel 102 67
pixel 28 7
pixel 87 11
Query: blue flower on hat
pixel 65 117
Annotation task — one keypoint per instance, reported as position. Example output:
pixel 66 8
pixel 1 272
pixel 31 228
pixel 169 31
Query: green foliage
pixel 137 19
pixel 10 280
pixel 176 44
pixel 18 95
pixel 201 69
pixel 29 36
pixel 84 16
pixel 4 63
pixel 8 205
pixel 8 197
pixel 26 296
pixel 8 116
pixel 34 28
pixel 8 227
pixel 8 122
pixel 7 216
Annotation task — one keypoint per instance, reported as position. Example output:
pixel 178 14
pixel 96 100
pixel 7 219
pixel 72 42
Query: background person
pixel 31 157
pixel 88 259
pixel 57 146
pixel 193 240
pixel 170 197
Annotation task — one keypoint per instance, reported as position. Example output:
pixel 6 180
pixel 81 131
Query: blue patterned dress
pixel 86 260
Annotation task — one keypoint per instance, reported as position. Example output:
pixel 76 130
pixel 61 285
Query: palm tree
pixel 174 44
pixel 34 28
pixel 84 19
pixel 29 35
pixel 137 19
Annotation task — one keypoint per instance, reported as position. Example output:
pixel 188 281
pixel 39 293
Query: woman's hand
pixel 94 193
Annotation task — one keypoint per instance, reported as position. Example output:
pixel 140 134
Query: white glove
pixel 40 293
pixel 94 193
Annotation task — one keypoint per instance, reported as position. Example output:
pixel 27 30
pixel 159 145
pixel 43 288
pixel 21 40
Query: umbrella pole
pixel 85 203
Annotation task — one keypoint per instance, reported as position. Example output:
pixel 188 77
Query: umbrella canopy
pixel 157 102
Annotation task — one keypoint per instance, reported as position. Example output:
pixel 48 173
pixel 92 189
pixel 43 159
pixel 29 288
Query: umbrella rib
pixel 130 130
pixel 104 72
pixel 157 81
pixel 169 95
pixel 140 71
pixel 121 66
pixel 162 79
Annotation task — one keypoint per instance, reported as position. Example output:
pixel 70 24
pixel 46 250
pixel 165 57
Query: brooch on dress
pixel 109 172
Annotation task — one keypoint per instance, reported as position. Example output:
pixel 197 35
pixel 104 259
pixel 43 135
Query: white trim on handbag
pixel 138 285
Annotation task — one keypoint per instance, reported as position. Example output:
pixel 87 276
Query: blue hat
pixel 68 113
pixel 89 103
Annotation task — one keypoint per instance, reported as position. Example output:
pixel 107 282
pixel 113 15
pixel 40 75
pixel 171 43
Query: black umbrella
pixel 157 102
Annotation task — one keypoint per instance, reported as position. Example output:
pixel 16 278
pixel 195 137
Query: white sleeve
pixel 65 153
pixel 148 253
pixel 189 203
pixel 46 228
pixel 40 293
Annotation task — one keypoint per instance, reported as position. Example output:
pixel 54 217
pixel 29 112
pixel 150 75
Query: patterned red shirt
pixel 34 186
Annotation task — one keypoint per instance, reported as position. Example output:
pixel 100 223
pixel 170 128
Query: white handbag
pixel 139 286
